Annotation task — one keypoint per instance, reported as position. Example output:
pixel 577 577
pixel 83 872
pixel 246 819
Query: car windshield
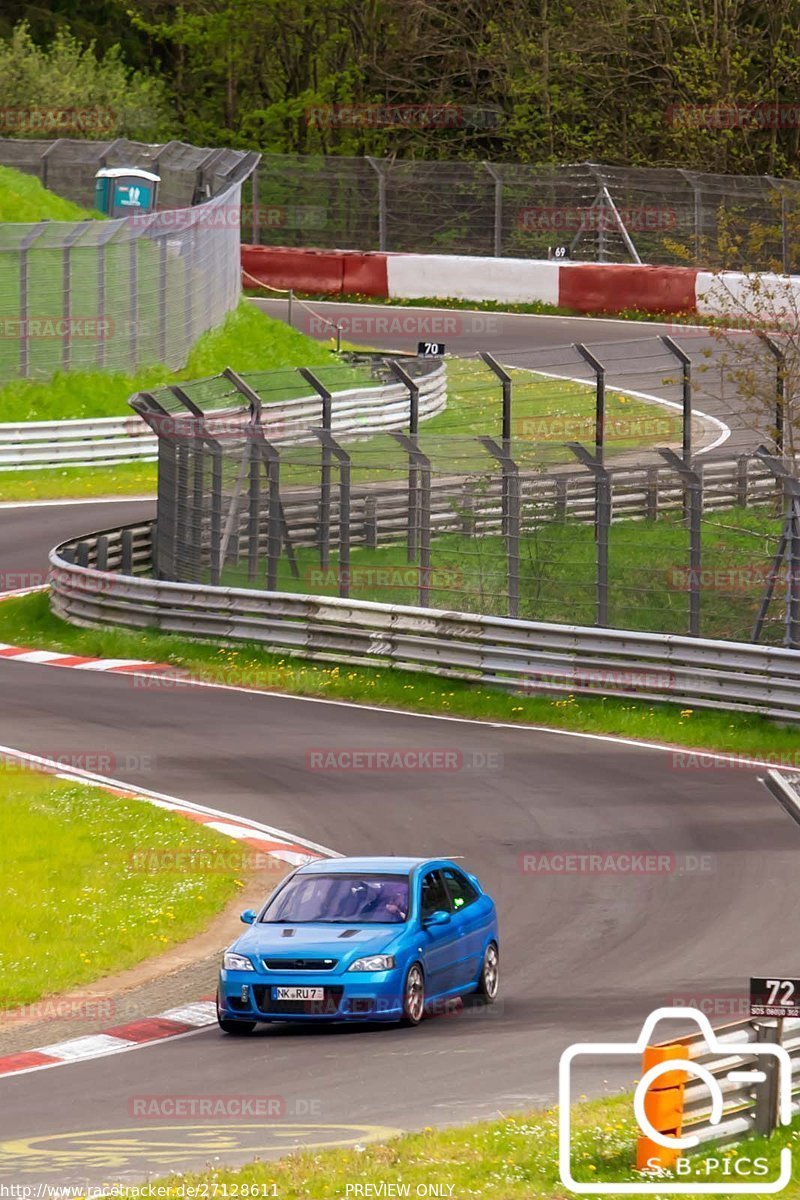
pixel 339 899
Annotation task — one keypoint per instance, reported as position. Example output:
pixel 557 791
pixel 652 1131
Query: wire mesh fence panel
pixel 122 293
pixel 116 294
pixel 545 493
pixel 600 213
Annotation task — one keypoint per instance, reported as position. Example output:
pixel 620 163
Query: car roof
pixel 386 864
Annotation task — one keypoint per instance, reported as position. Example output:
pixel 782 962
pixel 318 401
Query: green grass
pixel 545 412
pixel 248 340
pixel 648 573
pixel 24 200
pixel 514 1158
pixel 78 905
pixel 536 308
pixel 27 621
pixel 126 479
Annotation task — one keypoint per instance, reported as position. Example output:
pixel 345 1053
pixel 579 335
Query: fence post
pixel 507 386
pixel 602 522
pixel 126 552
pixel 766 1092
pixel 779 355
pixel 66 291
pixel 511 514
pixel 600 399
pixel 413 429
pixel 24 246
pixel 421 514
pixel 343 459
pixel 380 169
pixel 325 471
pixel 686 393
pixel 256 215
pixel 413 394
pixel 693 508
pixel 791 543
pixel 133 288
pixel 498 207
pixel 162 297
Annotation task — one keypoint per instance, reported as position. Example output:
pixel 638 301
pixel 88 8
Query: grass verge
pixel 77 906
pixel 508 1159
pixel 536 308
pixel 248 339
pixel 27 621
pixel 557 565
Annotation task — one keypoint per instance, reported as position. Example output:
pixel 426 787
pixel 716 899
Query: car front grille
pixel 300 964
pixel 328 1006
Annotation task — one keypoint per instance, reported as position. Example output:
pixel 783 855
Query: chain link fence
pixel 599 213
pixel 544 496
pixel 119 294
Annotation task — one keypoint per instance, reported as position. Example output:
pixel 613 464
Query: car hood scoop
pixel 348 933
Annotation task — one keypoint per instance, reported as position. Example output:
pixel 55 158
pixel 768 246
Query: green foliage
pixel 520 81
pixel 105 97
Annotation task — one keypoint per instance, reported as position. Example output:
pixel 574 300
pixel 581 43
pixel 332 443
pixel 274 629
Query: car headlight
pixel 375 962
pixel 236 962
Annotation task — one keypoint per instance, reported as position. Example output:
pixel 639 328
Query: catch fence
pixel 596 212
pixel 119 294
pixel 461 513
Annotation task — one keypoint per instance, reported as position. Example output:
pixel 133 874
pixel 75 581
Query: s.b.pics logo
pixel 730 1066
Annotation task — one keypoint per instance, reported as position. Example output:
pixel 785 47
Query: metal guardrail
pixel 523 656
pixel 748 1106
pixel 359 411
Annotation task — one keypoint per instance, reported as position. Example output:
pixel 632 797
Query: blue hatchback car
pixel 361 939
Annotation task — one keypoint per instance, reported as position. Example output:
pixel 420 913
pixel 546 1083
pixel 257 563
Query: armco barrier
pixel 523 656
pixel 106 440
pixel 583 287
pixel 748 1104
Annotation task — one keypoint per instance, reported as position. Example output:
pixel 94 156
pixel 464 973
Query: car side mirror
pixel 248 916
pixel 440 917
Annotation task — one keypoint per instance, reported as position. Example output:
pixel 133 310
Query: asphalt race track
pixel 583 957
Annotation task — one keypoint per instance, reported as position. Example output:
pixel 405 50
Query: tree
pixel 68 91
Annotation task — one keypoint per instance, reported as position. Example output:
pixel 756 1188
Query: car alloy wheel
pixel 490 974
pixel 414 996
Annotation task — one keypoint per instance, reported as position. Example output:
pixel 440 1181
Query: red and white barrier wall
pixel 583 287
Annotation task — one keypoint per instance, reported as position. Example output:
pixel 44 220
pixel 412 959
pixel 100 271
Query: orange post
pixel 663 1106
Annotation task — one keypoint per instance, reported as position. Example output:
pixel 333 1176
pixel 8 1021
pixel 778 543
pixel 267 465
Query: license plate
pixel 298 993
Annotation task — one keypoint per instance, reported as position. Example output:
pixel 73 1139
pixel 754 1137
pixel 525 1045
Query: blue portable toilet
pixel 125 191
